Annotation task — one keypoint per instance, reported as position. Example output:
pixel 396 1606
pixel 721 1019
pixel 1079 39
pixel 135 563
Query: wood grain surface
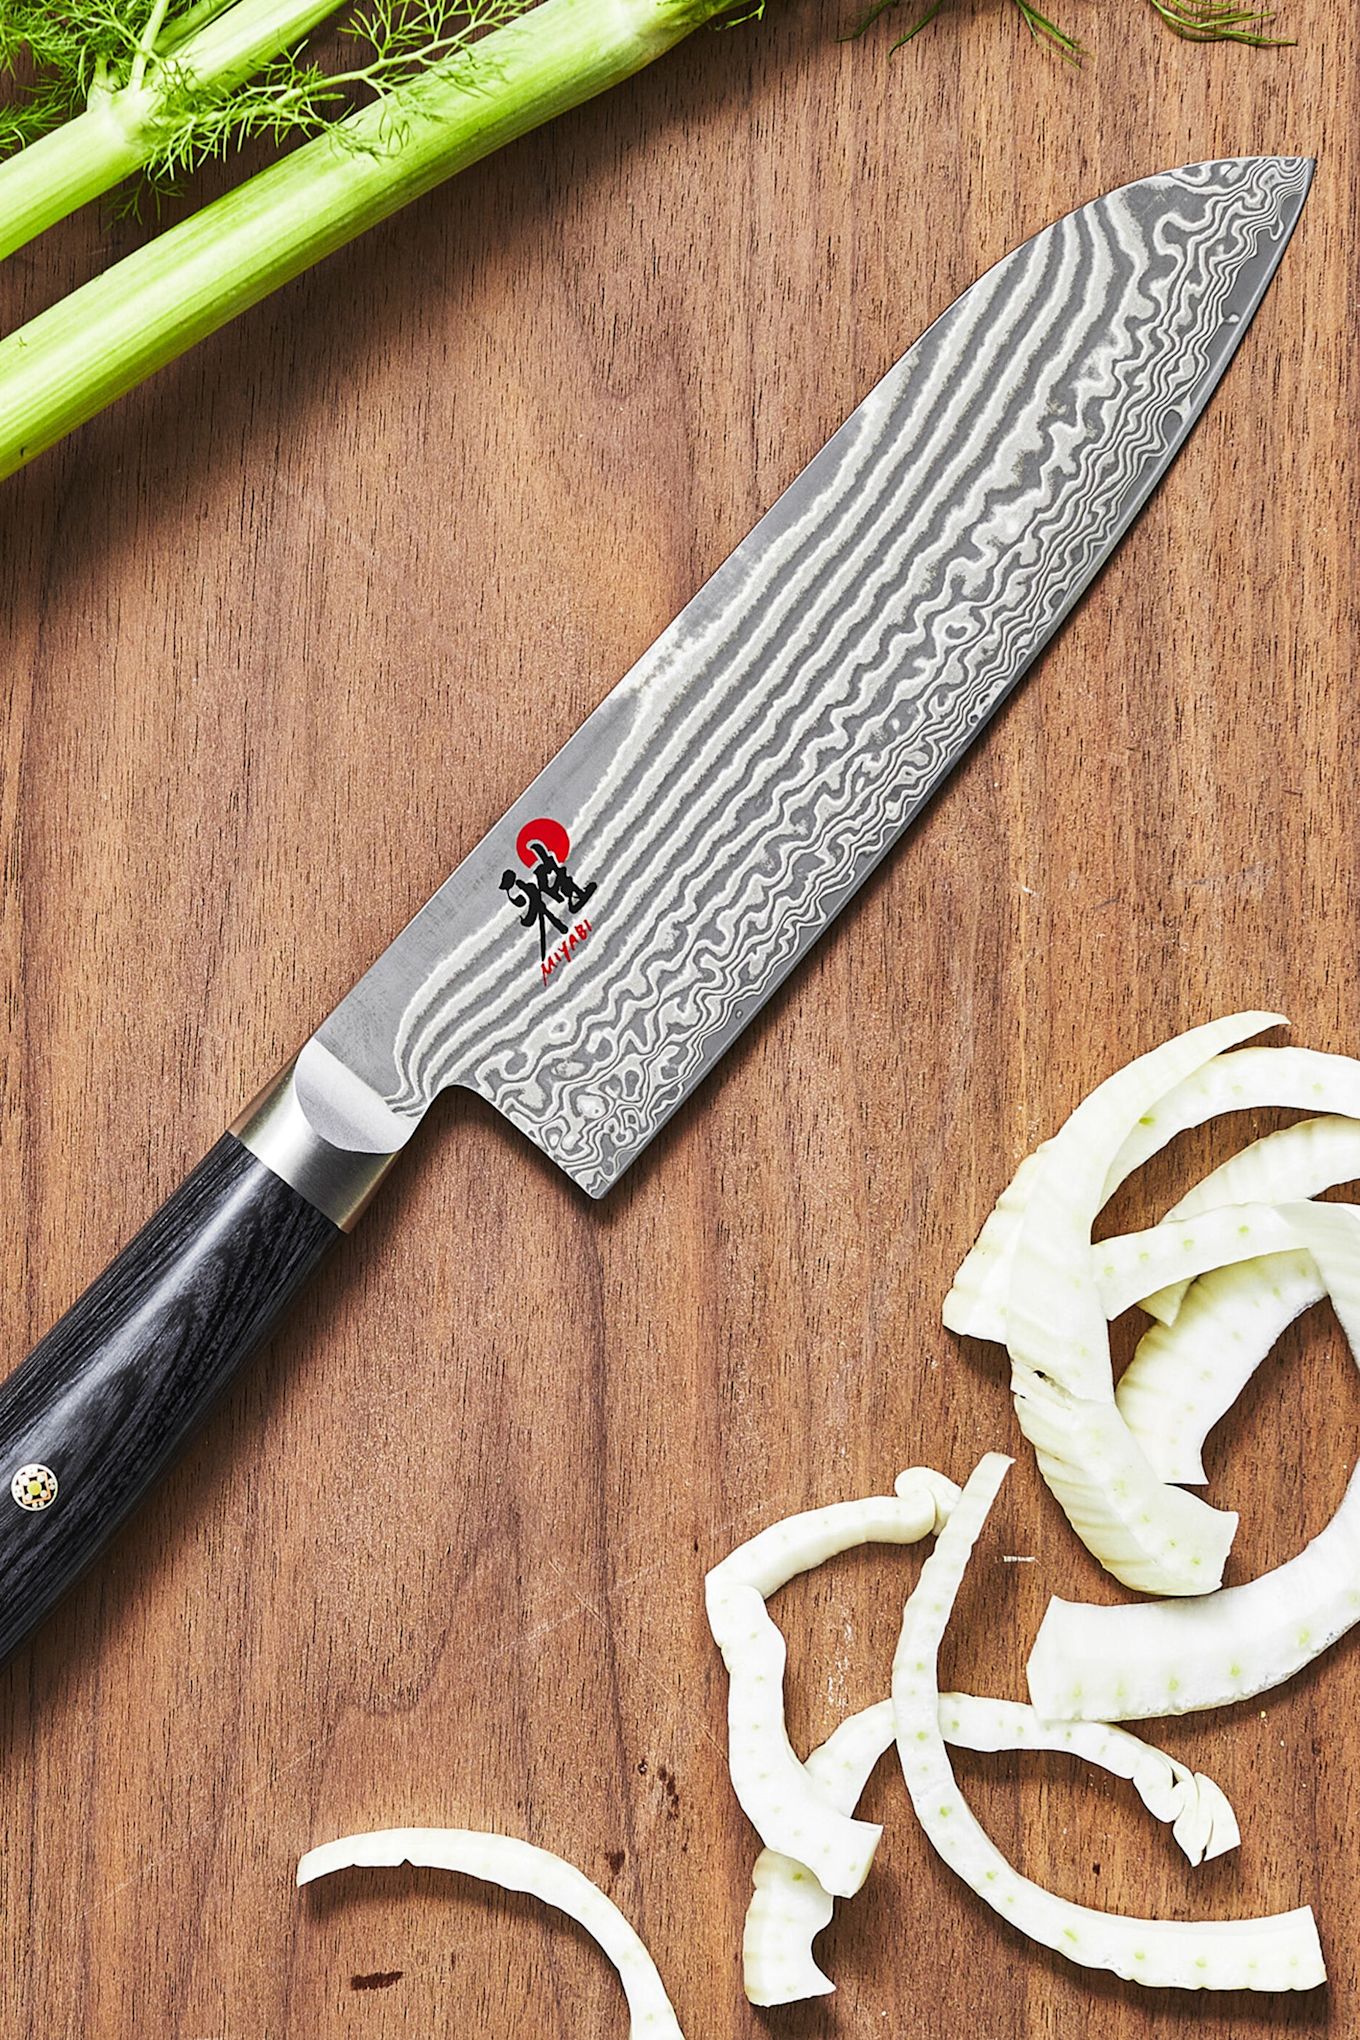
pixel 283 632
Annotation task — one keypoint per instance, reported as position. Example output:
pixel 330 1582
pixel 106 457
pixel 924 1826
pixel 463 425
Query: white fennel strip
pixel 1279 1952
pixel 518 1866
pixel 976 1303
pixel 1293 1162
pixel 1186 1375
pixel 1196 1810
pixel 1128 1264
pixel 789 1908
pixel 1175 1657
pixel 1151 1536
pixel 921 1498
pixel 1116 1664
pixel 1294 1079
pixel 1331 1234
pixel 779 1797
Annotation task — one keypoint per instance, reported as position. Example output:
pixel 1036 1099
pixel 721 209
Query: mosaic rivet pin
pixel 34 1487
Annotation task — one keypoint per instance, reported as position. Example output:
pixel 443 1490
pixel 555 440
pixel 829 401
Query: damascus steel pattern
pixel 747 775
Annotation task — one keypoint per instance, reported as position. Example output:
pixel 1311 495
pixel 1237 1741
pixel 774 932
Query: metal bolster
pixel 337 1181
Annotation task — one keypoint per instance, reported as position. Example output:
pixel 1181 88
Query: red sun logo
pixel 547 835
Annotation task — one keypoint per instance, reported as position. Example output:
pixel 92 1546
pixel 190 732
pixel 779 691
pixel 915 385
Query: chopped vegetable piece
pixel 1119 1664
pixel 1280 1952
pixel 976 1304
pixel 1198 1813
pixel 1175 1657
pixel 1054 1324
pixel 1298 1079
pixel 1129 1263
pixel 776 1793
pixel 919 1503
pixel 1148 1534
pixel 1184 1376
pixel 518 1866
pixel 1294 1161
pixel 1025 1280
pixel 789 1908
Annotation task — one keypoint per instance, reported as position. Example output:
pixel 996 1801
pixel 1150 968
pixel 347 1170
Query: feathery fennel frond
pixel 58 60
pixel 1200 21
pixel 295 96
pixel 52 57
pixel 1205 21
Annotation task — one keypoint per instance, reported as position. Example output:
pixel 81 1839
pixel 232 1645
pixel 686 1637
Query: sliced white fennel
pixel 518 1866
pixel 789 1908
pixel 1128 1263
pixel 1119 1664
pixel 920 1501
pixel 976 1304
pixel 1279 1952
pixel 1198 1813
pixel 779 1797
pixel 1249 1079
pixel 1295 1079
pixel 1186 1375
pixel 1149 1535
pixel 1293 1162
pixel 1174 1657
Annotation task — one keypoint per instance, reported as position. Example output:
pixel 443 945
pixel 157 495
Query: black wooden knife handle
pixel 106 1400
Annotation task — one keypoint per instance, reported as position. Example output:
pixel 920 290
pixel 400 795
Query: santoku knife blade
pixel 610 936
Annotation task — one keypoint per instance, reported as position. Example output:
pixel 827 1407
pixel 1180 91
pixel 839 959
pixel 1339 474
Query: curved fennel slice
pixel 1148 1534
pixel 1331 1234
pixel 1119 1664
pixel 789 1908
pixel 1175 1657
pixel 1279 1952
pixel 920 1501
pixel 1126 1263
pixel 1186 1375
pixel 1197 1810
pixel 777 1794
pixel 976 1303
pixel 518 1866
pixel 1293 1162
pixel 1295 1079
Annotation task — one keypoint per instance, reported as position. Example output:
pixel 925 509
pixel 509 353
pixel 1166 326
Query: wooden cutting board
pixel 285 630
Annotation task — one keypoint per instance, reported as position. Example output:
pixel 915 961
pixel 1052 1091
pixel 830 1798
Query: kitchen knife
pixel 590 960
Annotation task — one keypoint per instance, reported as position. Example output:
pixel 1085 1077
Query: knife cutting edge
pixel 589 961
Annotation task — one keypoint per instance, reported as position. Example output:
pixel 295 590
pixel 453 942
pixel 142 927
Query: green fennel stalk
pixel 121 89
pixel 124 127
pixel 117 86
pixel 69 362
